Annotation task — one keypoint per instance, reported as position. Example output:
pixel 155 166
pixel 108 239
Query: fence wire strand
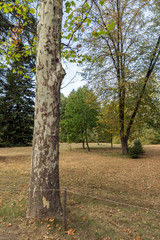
pixel 89 196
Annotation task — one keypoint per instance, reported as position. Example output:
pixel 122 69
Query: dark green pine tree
pixel 17 83
pixel 17 104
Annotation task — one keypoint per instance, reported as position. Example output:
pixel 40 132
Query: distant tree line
pixel 123 104
pixel 85 118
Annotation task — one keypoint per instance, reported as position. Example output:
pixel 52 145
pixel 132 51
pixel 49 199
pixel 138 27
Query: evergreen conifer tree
pixel 16 82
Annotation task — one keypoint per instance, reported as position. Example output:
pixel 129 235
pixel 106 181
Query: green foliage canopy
pixel 80 116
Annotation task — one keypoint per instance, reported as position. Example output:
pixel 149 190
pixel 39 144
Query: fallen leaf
pixel 31 221
pixel 134 230
pixel 84 218
pixel 47 237
pixel 138 238
pixel 10 225
pixel 71 232
pixel 51 220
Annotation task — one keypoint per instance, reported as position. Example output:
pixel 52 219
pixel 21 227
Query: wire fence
pixel 68 191
pixel 81 199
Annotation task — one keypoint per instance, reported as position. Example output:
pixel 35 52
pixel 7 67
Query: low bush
pixel 136 150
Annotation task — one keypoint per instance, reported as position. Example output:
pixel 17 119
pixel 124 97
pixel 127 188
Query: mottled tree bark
pixel 44 196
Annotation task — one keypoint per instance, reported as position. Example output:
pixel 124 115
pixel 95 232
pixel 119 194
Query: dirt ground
pixel 109 196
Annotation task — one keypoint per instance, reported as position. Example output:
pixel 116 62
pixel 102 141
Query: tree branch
pixel 152 64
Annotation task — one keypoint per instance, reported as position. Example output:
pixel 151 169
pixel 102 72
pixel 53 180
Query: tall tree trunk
pixel 121 81
pixel 44 195
pixel 124 144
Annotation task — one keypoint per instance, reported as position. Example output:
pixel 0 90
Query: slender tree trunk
pixel 88 146
pixel 44 195
pixel 111 141
pixel 83 139
pixel 86 137
pixel 83 144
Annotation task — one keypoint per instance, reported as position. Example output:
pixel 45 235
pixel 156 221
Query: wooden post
pixel 64 209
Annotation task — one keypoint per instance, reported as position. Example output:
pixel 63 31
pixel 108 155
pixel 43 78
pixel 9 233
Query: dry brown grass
pixel 103 173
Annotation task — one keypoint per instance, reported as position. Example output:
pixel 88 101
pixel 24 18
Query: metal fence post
pixel 64 209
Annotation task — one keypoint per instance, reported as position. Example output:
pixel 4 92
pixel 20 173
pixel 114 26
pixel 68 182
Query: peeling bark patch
pixel 45 203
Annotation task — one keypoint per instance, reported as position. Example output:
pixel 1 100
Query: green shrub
pixel 136 150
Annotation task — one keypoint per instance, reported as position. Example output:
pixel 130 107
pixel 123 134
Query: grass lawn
pixel 110 196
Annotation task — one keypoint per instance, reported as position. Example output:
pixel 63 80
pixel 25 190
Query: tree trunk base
pixel 39 208
pixel 124 143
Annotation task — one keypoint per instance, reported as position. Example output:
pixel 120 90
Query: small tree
pixel 136 150
pixel 80 115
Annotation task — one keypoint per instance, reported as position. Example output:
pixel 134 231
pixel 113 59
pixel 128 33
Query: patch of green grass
pixel 12 210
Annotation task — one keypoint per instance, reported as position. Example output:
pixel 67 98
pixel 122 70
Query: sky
pixel 72 80
pixel 71 69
